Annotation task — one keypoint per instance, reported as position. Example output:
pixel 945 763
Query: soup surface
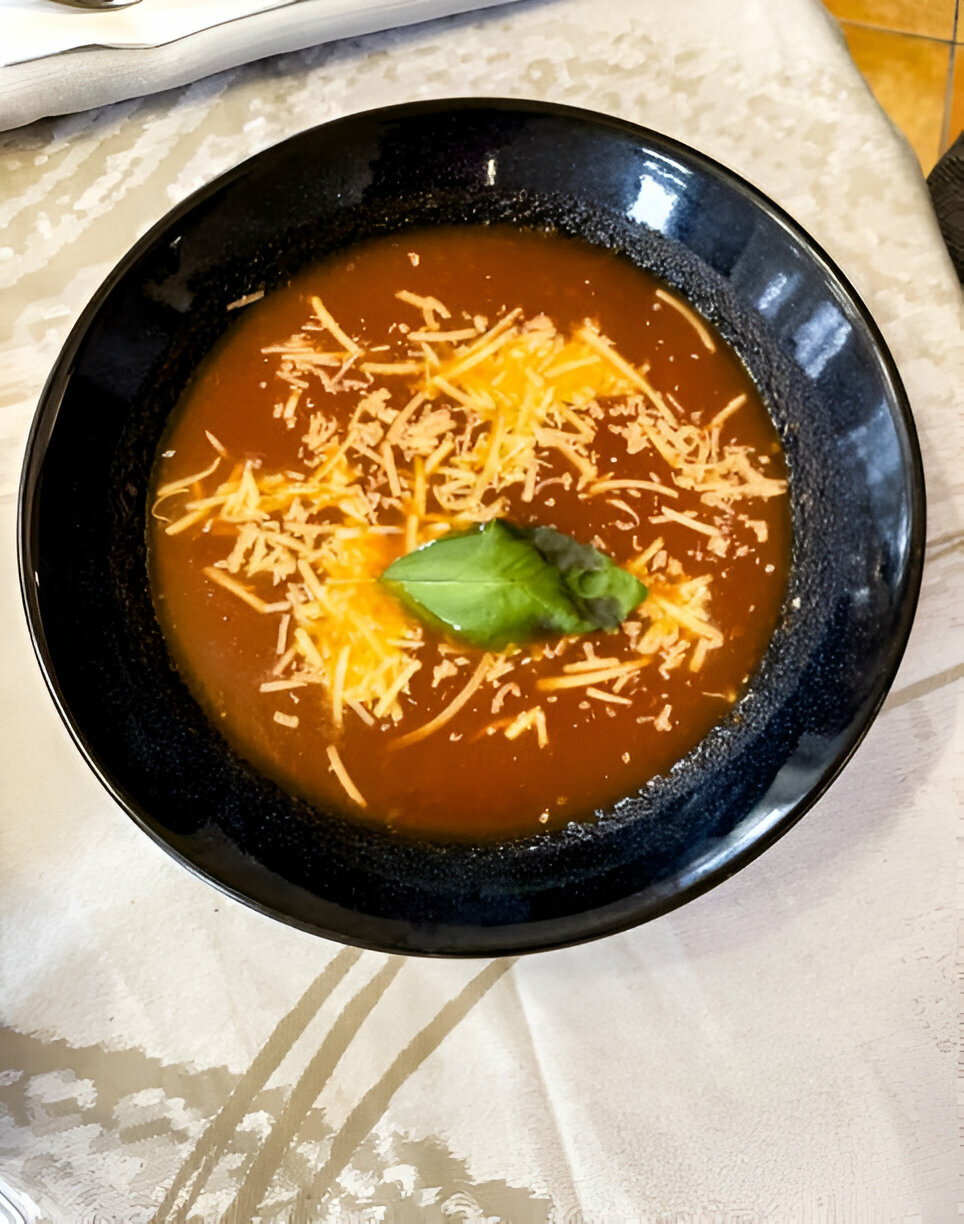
pixel 419 386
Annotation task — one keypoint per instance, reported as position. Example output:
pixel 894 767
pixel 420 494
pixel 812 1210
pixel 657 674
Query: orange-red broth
pixel 467 780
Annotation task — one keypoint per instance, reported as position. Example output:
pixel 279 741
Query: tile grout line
pixel 878 29
pixel 953 69
pixel 946 134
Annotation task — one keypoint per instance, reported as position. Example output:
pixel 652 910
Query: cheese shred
pixel 341 773
pixel 694 321
pixel 448 713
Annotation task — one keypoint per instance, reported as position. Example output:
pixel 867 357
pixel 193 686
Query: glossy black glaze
pixel 857 495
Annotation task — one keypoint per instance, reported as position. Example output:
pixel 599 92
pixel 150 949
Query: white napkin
pixel 158 44
pixel 34 28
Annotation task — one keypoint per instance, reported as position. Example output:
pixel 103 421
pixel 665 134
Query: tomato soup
pixel 417 389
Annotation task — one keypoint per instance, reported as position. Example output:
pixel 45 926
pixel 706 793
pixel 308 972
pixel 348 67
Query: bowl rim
pixel 525 936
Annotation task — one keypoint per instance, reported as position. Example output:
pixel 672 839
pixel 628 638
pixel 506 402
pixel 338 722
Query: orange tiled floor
pixel 911 53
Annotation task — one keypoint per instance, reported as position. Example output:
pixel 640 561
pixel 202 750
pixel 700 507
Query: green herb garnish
pixel 499 585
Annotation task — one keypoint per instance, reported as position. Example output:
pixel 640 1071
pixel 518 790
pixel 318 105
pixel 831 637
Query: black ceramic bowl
pixel 835 396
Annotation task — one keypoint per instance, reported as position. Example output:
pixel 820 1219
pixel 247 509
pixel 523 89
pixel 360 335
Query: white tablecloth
pixel 782 1050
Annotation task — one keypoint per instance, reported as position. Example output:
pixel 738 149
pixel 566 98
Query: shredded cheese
pixel 242 592
pixel 466 415
pixel 611 698
pixel 662 721
pixel 727 411
pixel 669 515
pixel 341 773
pixel 694 320
pixel 529 720
pixel 245 300
pixel 326 320
pixel 448 713
pixel 590 678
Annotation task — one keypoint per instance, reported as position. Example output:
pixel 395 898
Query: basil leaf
pixel 501 584
pixel 603 593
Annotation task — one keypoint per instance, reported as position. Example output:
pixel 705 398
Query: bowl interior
pixel 856 493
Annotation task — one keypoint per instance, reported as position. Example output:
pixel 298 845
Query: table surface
pixel 781 1049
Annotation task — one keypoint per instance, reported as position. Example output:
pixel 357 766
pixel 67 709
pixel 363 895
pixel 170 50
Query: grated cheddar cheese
pixel 439 435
